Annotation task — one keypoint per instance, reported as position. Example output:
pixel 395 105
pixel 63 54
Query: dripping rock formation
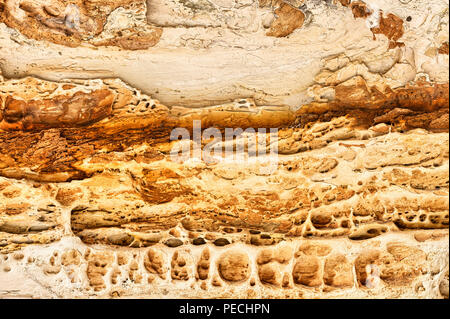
pixel 93 204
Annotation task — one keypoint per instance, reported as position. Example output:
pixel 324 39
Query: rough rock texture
pixel 93 205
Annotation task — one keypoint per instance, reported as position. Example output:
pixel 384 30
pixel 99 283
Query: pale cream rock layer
pixel 93 205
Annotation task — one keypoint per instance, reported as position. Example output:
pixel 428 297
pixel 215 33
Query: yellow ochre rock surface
pixel 93 203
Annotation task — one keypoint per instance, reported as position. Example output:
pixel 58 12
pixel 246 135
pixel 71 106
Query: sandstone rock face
pixel 338 272
pixel 234 266
pixel 94 202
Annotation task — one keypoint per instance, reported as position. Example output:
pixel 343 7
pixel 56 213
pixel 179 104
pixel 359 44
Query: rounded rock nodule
pixel 120 239
pixel 199 241
pixel 173 242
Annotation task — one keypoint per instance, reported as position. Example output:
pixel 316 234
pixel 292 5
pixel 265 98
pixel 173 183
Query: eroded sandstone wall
pixel 93 205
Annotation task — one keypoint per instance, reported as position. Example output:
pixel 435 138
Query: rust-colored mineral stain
pixel 345 3
pixel 134 41
pixel 427 102
pixel 161 186
pixel 391 25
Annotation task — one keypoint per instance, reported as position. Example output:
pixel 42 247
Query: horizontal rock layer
pixel 354 204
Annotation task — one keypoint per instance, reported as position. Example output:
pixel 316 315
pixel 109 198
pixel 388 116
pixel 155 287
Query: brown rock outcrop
pixel 307 271
pixel 338 272
pixel 154 263
pixel 131 135
pixel 73 22
pixel 288 19
pixel 234 266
